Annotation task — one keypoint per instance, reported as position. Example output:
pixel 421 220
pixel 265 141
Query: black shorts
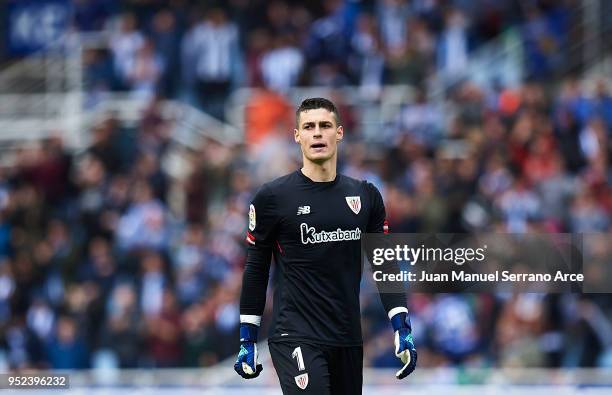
pixel 307 368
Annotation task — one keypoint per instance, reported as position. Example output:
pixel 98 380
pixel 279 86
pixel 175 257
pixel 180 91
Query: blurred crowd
pixel 200 52
pixel 522 160
pixel 107 260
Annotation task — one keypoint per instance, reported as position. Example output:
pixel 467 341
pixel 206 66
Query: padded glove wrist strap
pixel 399 321
pixel 248 332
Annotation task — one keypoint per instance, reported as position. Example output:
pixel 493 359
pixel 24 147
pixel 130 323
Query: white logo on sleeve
pixel 354 203
pixel 251 218
pixel 302 210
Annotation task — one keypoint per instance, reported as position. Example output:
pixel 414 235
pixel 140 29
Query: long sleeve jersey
pixel 313 230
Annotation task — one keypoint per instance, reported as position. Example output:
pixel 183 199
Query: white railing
pixel 43 95
pixel 190 124
pixel 431 381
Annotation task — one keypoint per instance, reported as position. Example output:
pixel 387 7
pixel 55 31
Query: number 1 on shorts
pixel 297 353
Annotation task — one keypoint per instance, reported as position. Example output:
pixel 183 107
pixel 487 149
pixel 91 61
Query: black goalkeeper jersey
pixel 314 230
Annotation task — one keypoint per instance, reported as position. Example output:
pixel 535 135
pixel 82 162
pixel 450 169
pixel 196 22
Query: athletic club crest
pixel 354 203
pixel 301 381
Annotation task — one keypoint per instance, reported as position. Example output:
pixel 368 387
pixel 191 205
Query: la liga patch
pixel 252 218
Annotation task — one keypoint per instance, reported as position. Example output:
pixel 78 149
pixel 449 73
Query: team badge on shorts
pixel 354 203
pixel 302 380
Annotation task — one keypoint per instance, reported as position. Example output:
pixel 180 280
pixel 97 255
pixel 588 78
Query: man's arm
pixel 260 235
pixel 255 284
pixel 393 302
pixel 393 299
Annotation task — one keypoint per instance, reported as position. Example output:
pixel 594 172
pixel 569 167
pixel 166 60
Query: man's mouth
pixel 318 145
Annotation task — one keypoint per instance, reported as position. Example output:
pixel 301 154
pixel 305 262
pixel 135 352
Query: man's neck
pixel 323 172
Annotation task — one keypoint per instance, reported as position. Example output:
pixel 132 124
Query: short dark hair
pixel 312 104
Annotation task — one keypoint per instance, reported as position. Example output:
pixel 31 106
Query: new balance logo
pixel 303 210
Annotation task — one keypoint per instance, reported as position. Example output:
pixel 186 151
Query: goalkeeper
pixel 311 220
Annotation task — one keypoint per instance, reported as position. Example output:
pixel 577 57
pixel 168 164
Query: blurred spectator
pixel 601 104
pixel 282 64
pixel 368 61
pixel 51 173
pixel 543 35
pixel 212 45
pixel 145 222
pixel 99 76
pixel 454 327
pixel 519 206
pixel 152 139
pixel 421 120
pixel 453 46
pixel 279 18
pixel 257 46
pixel 586 215
pixel 105 141
pixel 22 347
pixel 67 350
pixel 41 319
pixel 556 191
pixel 411 63
pixel 100 267
pixel 521 322
pixel 199 341
pixel 165 33
pixel 153 283
pixel 90 180
pixel 122 330
pixel 143 75
pixel 394 17
pixel 147 168
pixel 267 113
pixel 189 260
pixel 125 44
pixel 593 139
pixel 164 333
pixel 327 44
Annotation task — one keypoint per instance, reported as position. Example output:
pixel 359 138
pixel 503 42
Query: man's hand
pixel 404 344
pixel 246 363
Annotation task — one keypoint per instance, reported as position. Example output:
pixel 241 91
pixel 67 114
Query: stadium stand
pixel 128 251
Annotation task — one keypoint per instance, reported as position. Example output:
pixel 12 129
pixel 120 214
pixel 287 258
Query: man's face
pixel 318 134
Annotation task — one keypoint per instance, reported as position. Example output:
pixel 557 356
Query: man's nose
pixel 317 132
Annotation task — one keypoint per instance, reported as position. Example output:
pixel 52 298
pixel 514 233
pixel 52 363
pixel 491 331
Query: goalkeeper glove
pixel 404 344
pixel 246 364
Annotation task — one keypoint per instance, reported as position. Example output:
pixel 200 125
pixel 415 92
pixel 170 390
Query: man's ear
pixel 339 133
pixel 296 135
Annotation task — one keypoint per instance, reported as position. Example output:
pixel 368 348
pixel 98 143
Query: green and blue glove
pixel 404 344
pixel 246 363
